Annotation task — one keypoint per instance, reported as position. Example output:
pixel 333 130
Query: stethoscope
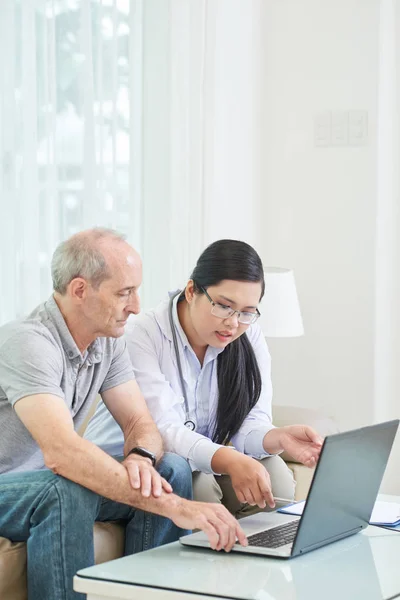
pixel 188 422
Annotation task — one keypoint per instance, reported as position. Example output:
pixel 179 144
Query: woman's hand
pixel 249 478
pixel 303 443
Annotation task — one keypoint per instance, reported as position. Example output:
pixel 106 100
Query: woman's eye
pixel 225 307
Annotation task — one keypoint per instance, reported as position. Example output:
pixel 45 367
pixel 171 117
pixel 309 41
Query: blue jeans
pixel 55 517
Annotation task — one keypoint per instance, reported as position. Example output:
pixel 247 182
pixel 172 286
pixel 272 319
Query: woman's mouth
pixel 223 336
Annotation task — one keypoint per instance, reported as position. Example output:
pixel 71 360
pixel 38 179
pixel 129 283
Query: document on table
pixel 384 513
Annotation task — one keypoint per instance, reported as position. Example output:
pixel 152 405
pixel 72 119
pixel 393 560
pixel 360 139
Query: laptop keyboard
pixel 275 537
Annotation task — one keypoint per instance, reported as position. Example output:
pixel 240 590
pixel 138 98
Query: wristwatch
pixel 143 452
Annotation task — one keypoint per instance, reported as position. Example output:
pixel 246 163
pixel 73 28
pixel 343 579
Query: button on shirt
pixel 38 355
pixel 152 353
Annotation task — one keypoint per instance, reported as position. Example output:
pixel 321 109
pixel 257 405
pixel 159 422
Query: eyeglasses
pixel 225 312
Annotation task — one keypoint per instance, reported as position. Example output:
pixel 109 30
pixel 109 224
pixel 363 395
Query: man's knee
pixel 178 473
pixel 32 489
pixel 70 499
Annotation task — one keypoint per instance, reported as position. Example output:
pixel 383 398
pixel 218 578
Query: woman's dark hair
pixel 239 378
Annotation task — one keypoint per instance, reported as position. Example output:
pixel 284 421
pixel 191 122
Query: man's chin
pixel 119 329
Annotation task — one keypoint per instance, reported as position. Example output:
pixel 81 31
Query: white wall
pixel 318 204
pixel 387 283
pixel 324 211
pixel 231 92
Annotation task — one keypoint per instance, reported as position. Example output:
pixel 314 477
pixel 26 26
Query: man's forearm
pixel 144 433
pixel 86 464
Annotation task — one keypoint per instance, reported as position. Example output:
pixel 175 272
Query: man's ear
pixel 77 289
pixel 189 291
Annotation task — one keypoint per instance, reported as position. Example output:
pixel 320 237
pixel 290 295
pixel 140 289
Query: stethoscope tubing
pixel 189 423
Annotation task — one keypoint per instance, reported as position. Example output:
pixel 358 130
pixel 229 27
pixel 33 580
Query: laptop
pixel 339 504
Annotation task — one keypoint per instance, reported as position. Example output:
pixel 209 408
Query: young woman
pixel 203 366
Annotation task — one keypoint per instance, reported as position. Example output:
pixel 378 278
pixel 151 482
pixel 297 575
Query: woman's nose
pixel 233 320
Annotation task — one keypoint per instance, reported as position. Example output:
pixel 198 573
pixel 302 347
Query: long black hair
pixel 239 377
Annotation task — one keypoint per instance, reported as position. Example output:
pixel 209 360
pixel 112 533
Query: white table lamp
pixel 279 308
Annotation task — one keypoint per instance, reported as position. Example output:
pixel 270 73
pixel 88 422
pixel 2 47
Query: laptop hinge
pixel 334 538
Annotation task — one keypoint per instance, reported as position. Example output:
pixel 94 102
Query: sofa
pixel 109 537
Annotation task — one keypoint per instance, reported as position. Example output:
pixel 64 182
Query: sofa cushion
pixel 295 415
pixel 12 570
pixel 109 541
pixel 302 476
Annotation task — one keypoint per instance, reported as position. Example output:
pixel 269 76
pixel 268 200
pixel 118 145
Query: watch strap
pixel 143 452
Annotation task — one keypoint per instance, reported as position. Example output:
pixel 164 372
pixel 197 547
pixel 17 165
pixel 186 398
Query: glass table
pixel 362 567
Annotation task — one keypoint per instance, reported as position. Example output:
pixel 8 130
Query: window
pixel 70 133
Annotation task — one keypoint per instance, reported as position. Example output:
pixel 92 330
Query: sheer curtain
pixel 201 133
pixel 70 133
pixel 134 114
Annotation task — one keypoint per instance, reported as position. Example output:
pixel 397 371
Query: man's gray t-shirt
pixel 38 355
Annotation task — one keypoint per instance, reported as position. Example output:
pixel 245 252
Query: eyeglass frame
pixel 255 315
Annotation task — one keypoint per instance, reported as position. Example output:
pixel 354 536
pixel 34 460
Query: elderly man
pixel 53 483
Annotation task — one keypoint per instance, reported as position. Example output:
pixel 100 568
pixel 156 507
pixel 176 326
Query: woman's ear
pixel 189 291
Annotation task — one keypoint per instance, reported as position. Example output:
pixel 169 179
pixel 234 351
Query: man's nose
pixel 133 306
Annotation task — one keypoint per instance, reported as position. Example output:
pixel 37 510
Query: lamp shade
pixel 279 308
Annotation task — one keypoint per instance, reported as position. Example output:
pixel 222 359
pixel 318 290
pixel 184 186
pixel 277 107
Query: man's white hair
pixel 81 256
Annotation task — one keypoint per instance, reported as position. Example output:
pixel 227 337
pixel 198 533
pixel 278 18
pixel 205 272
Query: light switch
pixel 322 128
pixel 340 128
pixel 358 127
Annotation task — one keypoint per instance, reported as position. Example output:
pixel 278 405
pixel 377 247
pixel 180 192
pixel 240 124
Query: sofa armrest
pixel 303 477
pixel 13 583
pixel 295 415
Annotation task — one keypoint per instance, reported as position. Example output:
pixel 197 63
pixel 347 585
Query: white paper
pixel 383 512
pixel 294 509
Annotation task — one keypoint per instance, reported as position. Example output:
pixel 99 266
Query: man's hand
pixel 221 528
pixel 300 441
pixel 144 477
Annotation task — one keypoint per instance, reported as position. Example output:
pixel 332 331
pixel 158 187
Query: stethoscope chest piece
pixel 190 425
